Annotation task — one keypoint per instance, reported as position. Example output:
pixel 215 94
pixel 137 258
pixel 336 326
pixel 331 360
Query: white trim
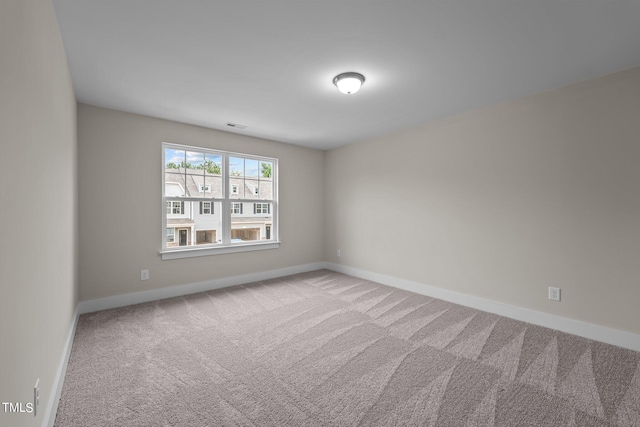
pixel 191 288
pixel 587 330
pixel 51 408
pixel 225 214
pixel 233 248
pixel 576 327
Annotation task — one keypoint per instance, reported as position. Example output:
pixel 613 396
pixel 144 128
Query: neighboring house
pixel 199 222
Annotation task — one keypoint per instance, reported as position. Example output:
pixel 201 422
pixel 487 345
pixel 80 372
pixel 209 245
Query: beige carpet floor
pixel 326 349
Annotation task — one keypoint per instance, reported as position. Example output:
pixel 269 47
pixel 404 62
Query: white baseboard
pixel 191 288
pixel 51 407
pixel 576 327
pixel 587 330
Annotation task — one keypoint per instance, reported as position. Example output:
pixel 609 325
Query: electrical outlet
pixel 338 253
pixel 144 274
pixel 36 397
pixel 554 294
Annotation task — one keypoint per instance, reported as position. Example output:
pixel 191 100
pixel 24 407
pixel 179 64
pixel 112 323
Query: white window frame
pixel 262 208
pixel 205 208
pixel 173 234
pixel 233 207
pixel 225 245
pixel 172 207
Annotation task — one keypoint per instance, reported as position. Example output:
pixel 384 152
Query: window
pixel 205 192
pixel 236 208
pixel 261 208
pixel 175 208
pixel 206 208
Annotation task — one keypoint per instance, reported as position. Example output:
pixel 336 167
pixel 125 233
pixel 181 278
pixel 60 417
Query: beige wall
pixel 119 179
pixel 38 204
pixel 503 202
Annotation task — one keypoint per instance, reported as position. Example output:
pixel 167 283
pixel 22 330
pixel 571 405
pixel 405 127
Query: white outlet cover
pixel 144 274
pixel 554 294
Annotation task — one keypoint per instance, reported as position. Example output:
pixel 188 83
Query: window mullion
pixel 226 205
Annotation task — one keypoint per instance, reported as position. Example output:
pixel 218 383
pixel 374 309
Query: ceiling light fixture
pixel 348 83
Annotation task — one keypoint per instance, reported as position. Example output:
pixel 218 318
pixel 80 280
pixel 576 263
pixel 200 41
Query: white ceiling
pixel 269 65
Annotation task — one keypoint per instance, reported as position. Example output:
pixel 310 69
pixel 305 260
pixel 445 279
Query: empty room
pixel 320 213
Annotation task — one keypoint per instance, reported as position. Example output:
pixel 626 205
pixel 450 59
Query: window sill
pixel 191 252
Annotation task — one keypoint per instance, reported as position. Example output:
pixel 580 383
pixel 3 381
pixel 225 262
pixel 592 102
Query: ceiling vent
pixel 235 125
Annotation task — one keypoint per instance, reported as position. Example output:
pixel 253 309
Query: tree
pixel 266 170
pixel 172 165
pixel 212 167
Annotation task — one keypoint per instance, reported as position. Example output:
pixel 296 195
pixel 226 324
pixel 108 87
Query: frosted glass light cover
pixel 349 83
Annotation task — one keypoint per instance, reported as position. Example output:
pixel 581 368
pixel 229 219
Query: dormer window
pixel 234 189
pixel 256 191
pixel 204 188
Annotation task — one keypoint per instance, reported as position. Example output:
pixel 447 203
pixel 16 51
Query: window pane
pixel 253 224
pixel 174 185
pixel 207 227
pixel 213 164
pixel 252 188
pixel 251 168
pixel 266 169
pixel 266 189
pixel 195 162
pixel 173 159
pixel 194 185
pixel 213 185
pixel 236 166
pixel 194 223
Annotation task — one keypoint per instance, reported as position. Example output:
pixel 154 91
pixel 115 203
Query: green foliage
pixel 212 167
pixel 266 170
pixel 209 165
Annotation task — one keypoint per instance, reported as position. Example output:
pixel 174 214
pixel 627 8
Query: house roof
pixel 193 182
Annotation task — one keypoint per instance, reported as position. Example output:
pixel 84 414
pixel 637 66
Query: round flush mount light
pixel 348 83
